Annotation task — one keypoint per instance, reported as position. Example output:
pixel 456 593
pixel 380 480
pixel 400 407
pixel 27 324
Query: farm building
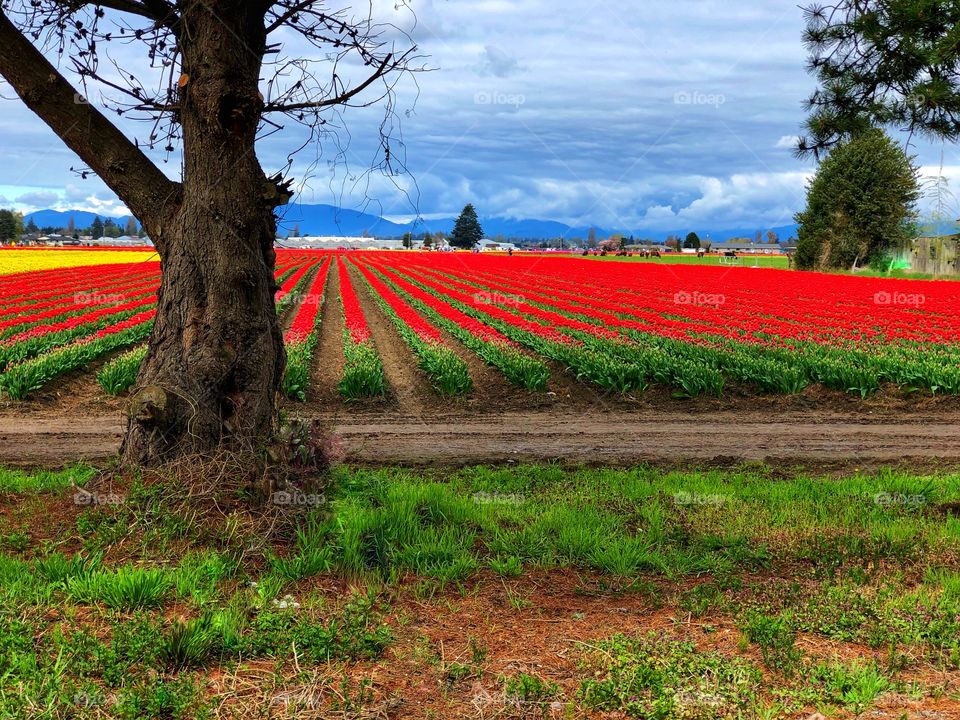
pixel 494 246
pixel 333 243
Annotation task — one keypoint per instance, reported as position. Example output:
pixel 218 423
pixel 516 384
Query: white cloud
pixel 788 142
pixel 39 198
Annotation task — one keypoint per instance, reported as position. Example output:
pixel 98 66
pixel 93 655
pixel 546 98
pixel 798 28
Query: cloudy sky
pixel 660 116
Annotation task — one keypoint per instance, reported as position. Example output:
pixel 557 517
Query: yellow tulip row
pixel 17 260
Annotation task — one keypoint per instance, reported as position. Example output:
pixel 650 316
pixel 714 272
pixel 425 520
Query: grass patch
pixel 18 481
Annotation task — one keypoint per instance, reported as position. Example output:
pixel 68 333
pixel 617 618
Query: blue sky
pixel 660 116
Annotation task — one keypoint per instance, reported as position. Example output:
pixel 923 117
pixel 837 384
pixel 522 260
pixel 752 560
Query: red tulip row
pixel 697 326
pixel 363 374
pixel 307 319
pixel 40 297
pixel 71 313
pixel 444 369
pixel 301 339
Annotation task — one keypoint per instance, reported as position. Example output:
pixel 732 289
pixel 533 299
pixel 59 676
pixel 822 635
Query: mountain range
pixel 327 220
pixel 330 220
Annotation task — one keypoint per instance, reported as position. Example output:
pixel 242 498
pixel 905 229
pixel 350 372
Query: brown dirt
pixel 408 388
pixel 328 357
pixel 814 440
pixel 545 624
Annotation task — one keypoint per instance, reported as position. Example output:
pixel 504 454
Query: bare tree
pixel 214 78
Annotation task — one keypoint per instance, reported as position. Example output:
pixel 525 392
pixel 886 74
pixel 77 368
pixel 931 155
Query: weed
pixel 657 677
pixel 776 637
pixel 126 588
pixel 524 689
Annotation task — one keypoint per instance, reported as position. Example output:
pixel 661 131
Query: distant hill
pixel 61 218
pixel 331 220
pixel 328 220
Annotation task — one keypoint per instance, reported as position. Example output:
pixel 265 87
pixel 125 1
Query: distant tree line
pixel 99 228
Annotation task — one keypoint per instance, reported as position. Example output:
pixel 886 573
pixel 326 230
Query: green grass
pixel 651 676
pixel 779 262
pixel 628 522
pixel 18 481
pixel 130 612
pixel 126 588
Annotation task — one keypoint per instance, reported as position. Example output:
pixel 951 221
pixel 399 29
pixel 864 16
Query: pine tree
pixel 692 241
pixel 467 232
pixel 111 229
pixel 96 228
pixel 883 63
pixel 860 205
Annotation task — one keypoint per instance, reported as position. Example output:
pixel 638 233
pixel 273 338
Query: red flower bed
pixel 304 323
pixel 352 312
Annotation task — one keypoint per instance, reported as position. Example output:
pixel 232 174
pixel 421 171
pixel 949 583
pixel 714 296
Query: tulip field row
pixel 619 327
pixel 59 320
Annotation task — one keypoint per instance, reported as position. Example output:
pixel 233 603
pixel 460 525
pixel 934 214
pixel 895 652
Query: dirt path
pixel 820 440
pixel 328 357
pixel 406 384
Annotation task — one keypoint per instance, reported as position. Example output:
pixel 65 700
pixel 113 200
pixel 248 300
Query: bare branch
pixel 385 68
pixel 108 152
pixel 289 13
pixel 157 10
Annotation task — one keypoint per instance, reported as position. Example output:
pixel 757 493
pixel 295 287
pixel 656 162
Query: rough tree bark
pixel 216 355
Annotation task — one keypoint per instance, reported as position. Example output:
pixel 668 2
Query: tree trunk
pixel 212 376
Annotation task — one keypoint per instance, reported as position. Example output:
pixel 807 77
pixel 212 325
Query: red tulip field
pixel 618 328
